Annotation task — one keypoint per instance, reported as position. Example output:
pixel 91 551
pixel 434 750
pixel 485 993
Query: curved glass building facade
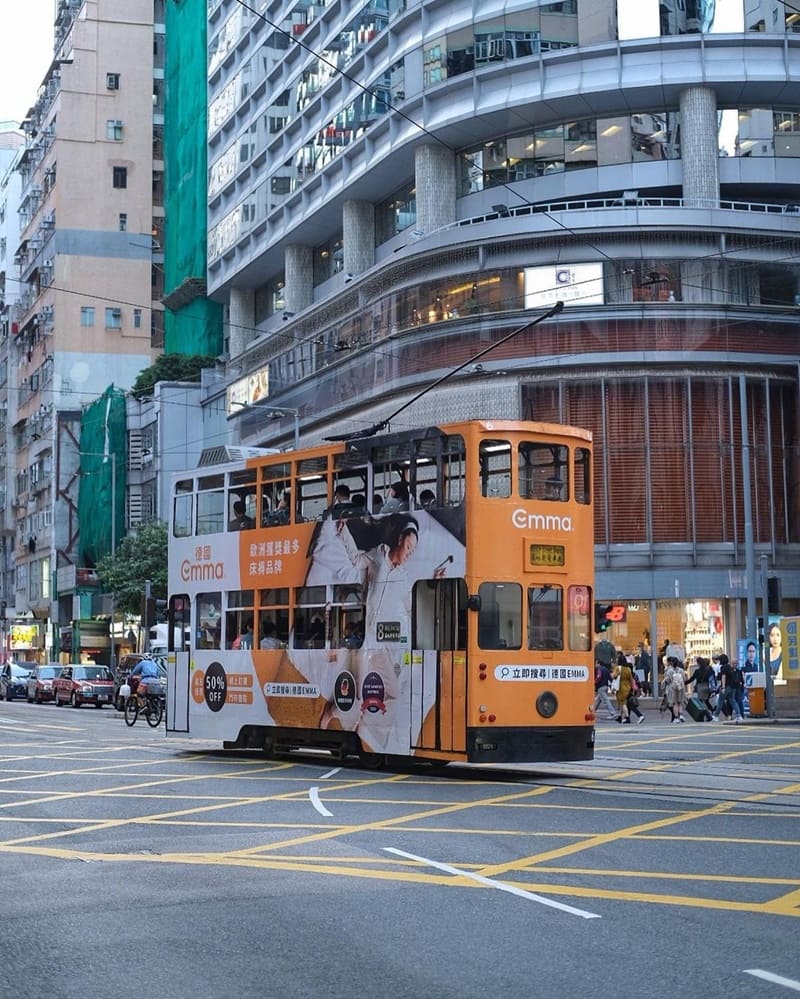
pixel 393 186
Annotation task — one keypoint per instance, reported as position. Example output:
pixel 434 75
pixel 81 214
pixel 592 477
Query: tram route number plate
pixel 388 631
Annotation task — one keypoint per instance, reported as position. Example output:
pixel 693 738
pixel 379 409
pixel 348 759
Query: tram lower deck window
pixel 500 616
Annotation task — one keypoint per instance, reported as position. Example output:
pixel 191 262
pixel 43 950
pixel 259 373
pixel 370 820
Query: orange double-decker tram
pixel 425 593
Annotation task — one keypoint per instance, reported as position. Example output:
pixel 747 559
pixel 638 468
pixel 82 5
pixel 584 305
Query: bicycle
pixel 150 705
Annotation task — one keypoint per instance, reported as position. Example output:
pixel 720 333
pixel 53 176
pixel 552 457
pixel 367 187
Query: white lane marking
pixel 330 773
pixel 790 983
pixel 314 796
pixel 496 884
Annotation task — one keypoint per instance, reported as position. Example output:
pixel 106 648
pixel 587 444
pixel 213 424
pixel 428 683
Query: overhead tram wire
pixel 377 427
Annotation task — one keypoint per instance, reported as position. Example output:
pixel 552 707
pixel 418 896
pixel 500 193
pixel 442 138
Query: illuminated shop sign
pixel 572 284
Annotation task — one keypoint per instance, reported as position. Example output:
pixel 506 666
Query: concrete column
pixel 241 320
pixel 358 236
pixel 298 265
pixel 699 147
pixel 435 177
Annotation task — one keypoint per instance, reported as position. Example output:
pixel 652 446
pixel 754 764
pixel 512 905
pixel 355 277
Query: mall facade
pixel 396 184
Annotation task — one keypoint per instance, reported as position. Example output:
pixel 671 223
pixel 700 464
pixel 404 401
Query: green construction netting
pixel 194 328
pixel 101 490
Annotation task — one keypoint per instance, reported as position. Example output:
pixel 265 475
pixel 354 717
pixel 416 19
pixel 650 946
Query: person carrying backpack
pixel 675 688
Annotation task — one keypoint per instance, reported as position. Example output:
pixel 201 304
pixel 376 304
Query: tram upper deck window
pixel 276 494
pixel 210 504
pixel 583 475
pixel 454 471
pixel 495 468
pixel 500 616
pixel 543 471
pixel 311 486
pixel 182 509
pixel 242 500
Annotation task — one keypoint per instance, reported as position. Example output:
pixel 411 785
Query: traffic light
pixel 773 594
pixel 607 614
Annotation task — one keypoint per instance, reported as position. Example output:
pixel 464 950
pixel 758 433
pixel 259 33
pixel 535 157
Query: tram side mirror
pixel 474 602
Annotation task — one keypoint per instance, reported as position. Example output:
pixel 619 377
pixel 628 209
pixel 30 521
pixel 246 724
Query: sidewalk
pixel 787 713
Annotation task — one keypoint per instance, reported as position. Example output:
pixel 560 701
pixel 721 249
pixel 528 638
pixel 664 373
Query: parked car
pixel 79 685
pixel 124 667
pixel 40 682
pixel 14 680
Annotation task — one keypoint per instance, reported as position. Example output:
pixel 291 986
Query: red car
pixel 40 683
pixel 79 685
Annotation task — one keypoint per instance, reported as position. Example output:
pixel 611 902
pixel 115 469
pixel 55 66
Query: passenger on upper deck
pixel 398 498
pixel 240 520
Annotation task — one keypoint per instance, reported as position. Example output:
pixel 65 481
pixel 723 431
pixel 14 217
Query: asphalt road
pixel 130 864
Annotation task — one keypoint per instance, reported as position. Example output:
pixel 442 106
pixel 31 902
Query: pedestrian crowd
pixel 710 692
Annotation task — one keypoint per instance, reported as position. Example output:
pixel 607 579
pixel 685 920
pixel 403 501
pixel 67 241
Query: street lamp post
pixel 271 413
pixel 275 411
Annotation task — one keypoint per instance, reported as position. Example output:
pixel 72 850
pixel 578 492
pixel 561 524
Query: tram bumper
pixel 551 744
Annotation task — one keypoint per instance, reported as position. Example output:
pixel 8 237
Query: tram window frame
pixel 273 607
pixel 210 508
pixel 579 618
pixel 348 606
pixel 454 486
pixel 495 477
pixel 182 509
pixel 208 631
pixel 543 480
pixel 549 633
pixel 312 496
pixel 582 475
pixel 490 626
pixel 239 612
pixel 439 615
pixel 179 617
pixel 308 602
pixel 242 487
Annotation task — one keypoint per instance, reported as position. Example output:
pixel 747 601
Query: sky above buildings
pixel 26 49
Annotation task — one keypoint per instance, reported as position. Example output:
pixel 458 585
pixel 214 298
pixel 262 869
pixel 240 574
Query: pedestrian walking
pixel 732 680
pixel 623 674
pixel 703 676
pixel 675 688
pixel 602 681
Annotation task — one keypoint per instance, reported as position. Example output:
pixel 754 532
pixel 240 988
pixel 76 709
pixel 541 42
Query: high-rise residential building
pixel 394 185
pixel 88 261
pixel 11 142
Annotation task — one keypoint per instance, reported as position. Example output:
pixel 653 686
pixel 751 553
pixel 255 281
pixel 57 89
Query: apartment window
pixel 137 319
pixel 120 176
pixel 114 130
pixel 113 319
pixel 87 315
pixel 112 81
pixel 123 222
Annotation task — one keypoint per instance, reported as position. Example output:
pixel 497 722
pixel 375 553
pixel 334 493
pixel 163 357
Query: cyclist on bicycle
pixel 144 670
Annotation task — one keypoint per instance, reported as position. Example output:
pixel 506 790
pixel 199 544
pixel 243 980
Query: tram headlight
pixel 547 704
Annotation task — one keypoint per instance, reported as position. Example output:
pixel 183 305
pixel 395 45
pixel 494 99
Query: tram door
pixel 439 666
